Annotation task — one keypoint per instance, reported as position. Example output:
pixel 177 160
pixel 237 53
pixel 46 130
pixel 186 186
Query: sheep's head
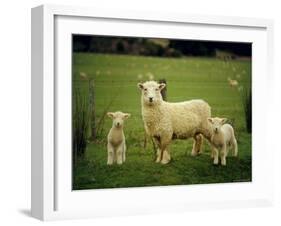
pixel 217 123
pixel 151 92
pixel 118 118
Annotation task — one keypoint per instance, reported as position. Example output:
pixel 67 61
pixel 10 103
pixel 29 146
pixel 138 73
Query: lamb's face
pixel 151 92
pixel 217 123
pixel 118 118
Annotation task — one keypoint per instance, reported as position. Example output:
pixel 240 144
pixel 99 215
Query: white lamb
pixel 165 121
pixel 222 138
pixel 116 143
pixel 232 82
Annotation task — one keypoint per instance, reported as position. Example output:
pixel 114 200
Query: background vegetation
pixel 158 47
pixel 115 78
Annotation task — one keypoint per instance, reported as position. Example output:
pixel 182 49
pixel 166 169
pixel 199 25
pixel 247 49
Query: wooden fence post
pixel 92 109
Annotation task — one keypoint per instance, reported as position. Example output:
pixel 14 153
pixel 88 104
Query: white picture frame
pixel 52 197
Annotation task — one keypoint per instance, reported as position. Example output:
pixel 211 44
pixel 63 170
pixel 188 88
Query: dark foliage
pixel 154 47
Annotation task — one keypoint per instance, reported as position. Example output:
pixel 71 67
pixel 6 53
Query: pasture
pixel 115 78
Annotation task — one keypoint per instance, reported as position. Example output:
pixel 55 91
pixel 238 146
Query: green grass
pixel 116 78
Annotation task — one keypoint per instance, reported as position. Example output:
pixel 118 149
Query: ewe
pixel 116 144
pixel 165 121
pixel 222 137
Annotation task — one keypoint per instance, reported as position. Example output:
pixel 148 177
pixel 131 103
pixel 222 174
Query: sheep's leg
pixel 199 139
pixel 165 155
pixel 124 152
pixel 166 158
pixel 164 142
pixel 235 147
pixel 216 156
pixel 162 154
pixel 158 155
pixel 157 139
pixel 110 154
pixel 213 151
pixel 197 145
pixel 223 154
pixel 193 151
pixel 119 155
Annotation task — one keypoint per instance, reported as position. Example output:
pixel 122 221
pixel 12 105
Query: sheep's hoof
pixel 157 160
pixel 193 153
pixel 165 161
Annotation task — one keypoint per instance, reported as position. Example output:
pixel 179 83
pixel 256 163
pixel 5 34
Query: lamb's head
pixel 151 92
pixel 217 123
pixel 118 118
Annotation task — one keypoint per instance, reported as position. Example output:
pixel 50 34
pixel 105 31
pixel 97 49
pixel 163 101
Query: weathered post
pixel 92 109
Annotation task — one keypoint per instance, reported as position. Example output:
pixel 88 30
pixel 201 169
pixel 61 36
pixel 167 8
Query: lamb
pixel 165 121
pixel 232 82
pixel 116 143
pixel 222 138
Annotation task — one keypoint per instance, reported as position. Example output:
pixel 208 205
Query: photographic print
pixel 158 112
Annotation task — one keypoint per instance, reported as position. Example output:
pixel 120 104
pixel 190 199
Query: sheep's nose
pixel 150 99
pixel 118 123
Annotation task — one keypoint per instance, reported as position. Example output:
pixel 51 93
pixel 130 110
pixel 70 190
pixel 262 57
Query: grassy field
pixel 116 78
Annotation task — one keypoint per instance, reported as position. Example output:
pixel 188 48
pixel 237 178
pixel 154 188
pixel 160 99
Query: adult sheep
pixel 165 121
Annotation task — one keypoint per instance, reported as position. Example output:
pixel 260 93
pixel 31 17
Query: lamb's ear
pixel 126 115
pixel 140 85
pixel 210 120
pixel 110 114
pixel 162 86
pixel 223 120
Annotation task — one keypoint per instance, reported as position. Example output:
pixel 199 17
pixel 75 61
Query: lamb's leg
pixel 197 145
pixel 212 151
pixel 119 154
pixel 110 154
pixel 216 156
pixel 223 154
pixel 124 152
pixel 235 147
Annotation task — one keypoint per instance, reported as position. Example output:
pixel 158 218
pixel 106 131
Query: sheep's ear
pixel 210 120
pixel 126 115
pixel 162 86
pixel 140 85
pixel 223 120
pixel 110 114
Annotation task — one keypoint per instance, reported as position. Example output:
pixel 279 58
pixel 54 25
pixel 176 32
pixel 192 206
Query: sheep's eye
pixel 145 89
